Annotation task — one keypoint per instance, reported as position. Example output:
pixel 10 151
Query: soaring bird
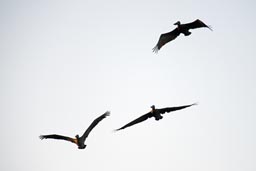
pixel 156 113
pixel 79 141
pixel 181 28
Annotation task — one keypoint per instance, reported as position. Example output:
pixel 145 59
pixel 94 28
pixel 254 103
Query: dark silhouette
pixel 79 141
pixel 156 113
pixel 181 28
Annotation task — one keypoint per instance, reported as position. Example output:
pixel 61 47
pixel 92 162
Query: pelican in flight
pixel 156 113
pixel 79 141
pixel 181 28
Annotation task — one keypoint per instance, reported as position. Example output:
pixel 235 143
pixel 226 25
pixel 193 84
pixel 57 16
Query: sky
pixel 64 63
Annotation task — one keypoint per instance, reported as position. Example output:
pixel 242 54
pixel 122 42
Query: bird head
pixel 177 23
pixel 153 107
pixel 77 136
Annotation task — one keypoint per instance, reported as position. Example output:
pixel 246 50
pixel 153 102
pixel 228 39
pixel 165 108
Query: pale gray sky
pixel 64 63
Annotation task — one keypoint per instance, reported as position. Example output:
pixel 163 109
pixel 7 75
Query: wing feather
pixel 171 109
pixel 136 121
pixel 93 124
pixel 165 38
pixel 196 24
pixel 58 137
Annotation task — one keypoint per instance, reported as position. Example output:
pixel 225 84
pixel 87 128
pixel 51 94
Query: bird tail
pixel 158 117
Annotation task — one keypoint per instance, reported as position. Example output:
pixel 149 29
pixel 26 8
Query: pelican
pixel 156 113
pixel 79 141
pixel 181 28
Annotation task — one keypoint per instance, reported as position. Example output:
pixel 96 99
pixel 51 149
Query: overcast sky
pixel 64 63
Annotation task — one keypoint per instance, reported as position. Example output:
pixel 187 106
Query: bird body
pixel 79 141
pixel 181 28
pixel 156 113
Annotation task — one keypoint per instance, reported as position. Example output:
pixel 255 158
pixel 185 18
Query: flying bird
pixel 156 113
pixel 79 141
pixel 181 28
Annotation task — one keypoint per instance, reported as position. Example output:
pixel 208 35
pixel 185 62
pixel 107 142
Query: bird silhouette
pixel 181 28
pixel 79 141
pixel 156 113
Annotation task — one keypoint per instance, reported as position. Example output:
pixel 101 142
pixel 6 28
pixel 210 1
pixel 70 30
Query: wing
pixel 165 38
pixel 196 24
pixel 171 109
pixel 138 120
pixel 58 137
pixel 93 124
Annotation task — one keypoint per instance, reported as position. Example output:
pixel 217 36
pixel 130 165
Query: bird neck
pixel 179 26
pixel 153 110
pixel 77 137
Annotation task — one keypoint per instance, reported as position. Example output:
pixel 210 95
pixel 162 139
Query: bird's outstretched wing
pixel 165 38
pixel 138 120
pixel 58 137
pixel 171 109
pixel 93 124
pixel 196 24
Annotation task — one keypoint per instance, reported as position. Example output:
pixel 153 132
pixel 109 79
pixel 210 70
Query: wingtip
pixel 41 137
pixel 115 130
pixel 155 49
pixel 194 104
pixel 107 113
pixel 210 27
